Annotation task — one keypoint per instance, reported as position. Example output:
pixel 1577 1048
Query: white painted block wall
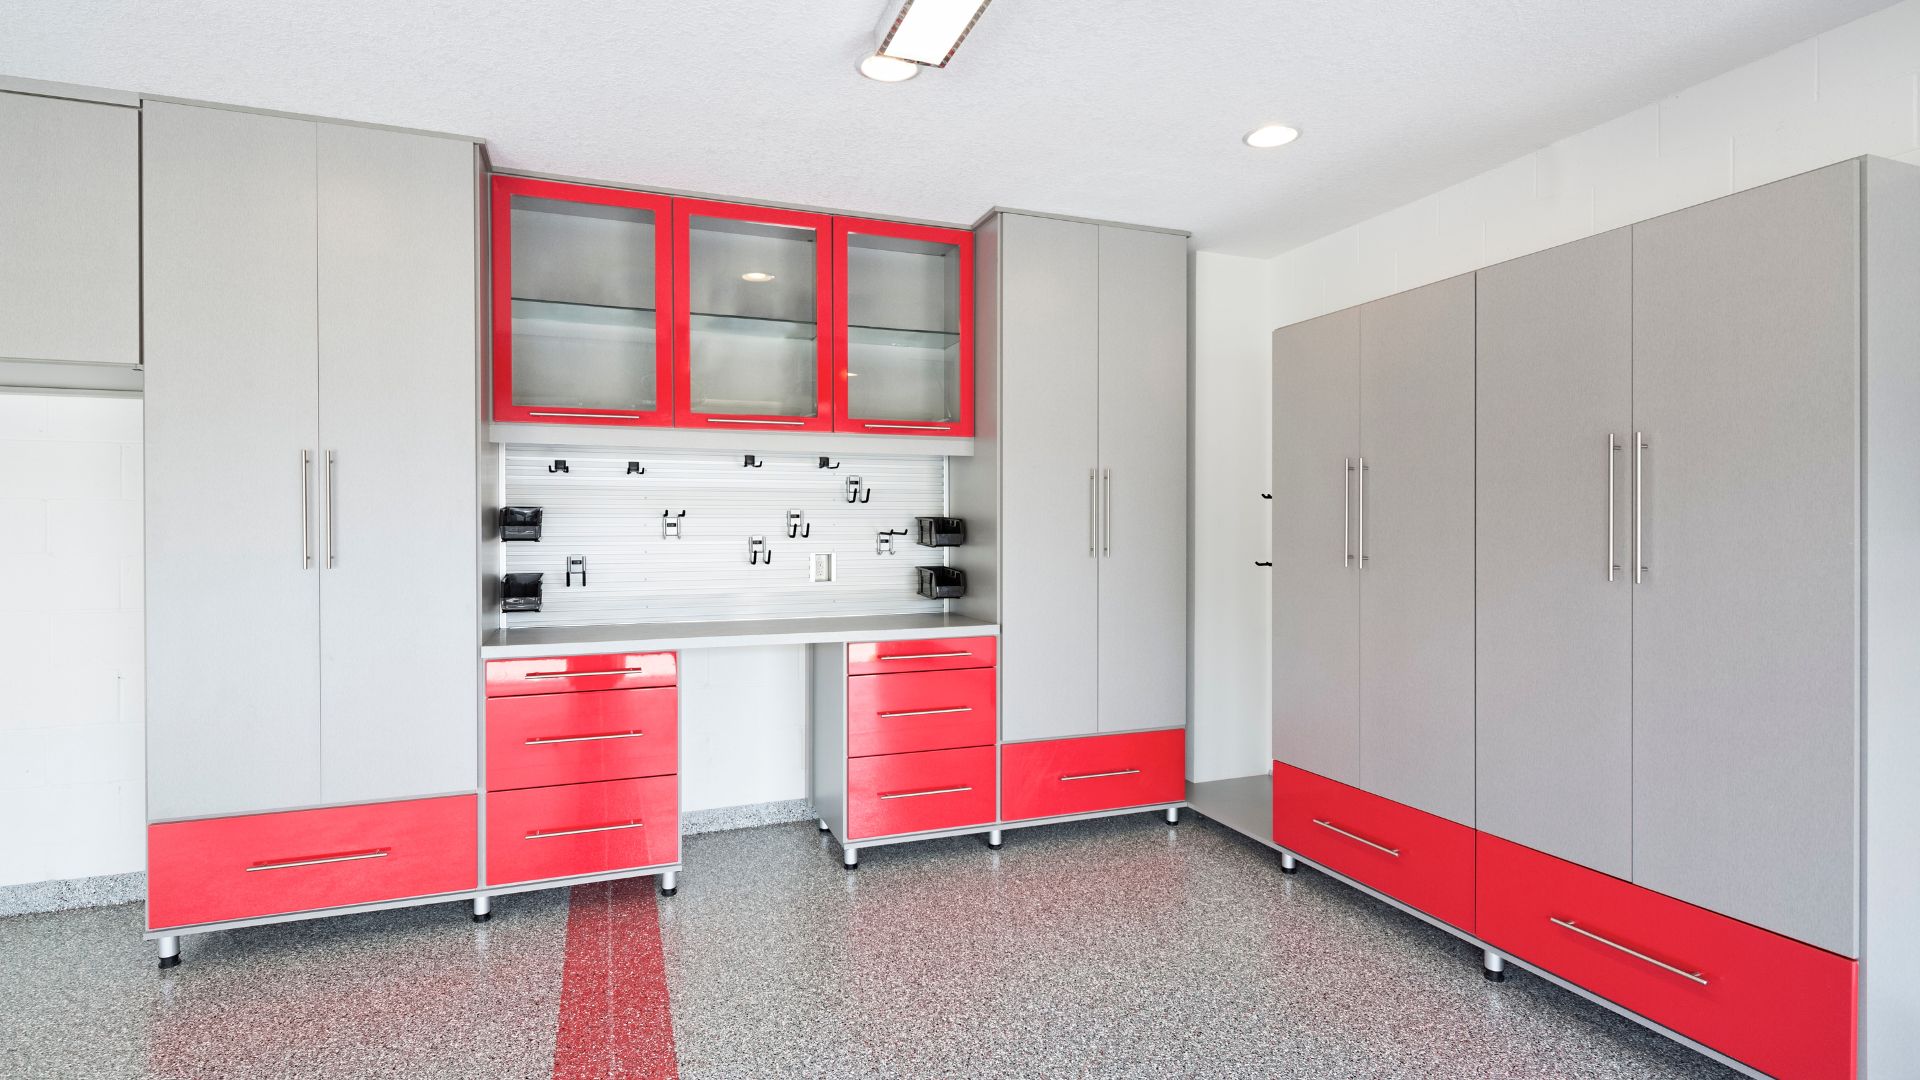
pixel 72 793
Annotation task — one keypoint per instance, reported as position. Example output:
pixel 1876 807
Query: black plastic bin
pixel 520 522
pixel 942 531
pixel 520 592
pixel 942 582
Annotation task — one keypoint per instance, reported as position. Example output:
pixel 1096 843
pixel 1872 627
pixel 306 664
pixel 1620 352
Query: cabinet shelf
pixel 565 318
pixel 752 326
pixel 902 337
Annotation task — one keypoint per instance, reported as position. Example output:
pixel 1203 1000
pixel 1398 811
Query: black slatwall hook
pixel 1257 562
pixel 824 465
pixel 757 553
pixel 794 530
pixel 559 465
pixel 857 492
pixel 1266 495
pixel 752 463
pixel 634 469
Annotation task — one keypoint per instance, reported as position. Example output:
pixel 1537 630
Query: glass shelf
pixel 752 326
pixel 902 337
pixel 580 314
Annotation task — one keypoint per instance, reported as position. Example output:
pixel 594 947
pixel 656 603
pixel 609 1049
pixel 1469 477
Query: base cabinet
pixel 1083 776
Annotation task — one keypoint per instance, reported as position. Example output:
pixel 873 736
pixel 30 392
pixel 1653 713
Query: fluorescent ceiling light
pixel 888 69
pixel 1271 135
pixel 928 31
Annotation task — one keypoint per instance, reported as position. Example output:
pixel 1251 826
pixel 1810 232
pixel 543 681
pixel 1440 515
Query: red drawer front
pixel 545 739
pixel 938 654
pixel 302 860
pixel 560 674
pixel 909 793
pixel 921 710
pixel 555 832
pixel 1783 1007
pixel 1421 860
pixel 1102 772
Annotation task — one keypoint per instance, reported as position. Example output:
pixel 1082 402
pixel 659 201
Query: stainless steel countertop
pixel 536 641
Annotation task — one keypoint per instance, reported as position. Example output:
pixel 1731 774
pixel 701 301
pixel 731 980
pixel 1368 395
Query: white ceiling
pixel 1130 110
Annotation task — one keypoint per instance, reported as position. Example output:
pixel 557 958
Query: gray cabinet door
pixel 1143 479
pixel 1049 299
pixel 232 604
pixel 399 574
pixel 1414 527
pixel 1746 626
pixel 1554 656
pixel 70 228
pixel 1316 574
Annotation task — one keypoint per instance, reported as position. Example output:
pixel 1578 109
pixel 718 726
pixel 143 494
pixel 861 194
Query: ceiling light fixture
pixel 888 69
pixel 756 276
pixel 927 31
pixel 1267 136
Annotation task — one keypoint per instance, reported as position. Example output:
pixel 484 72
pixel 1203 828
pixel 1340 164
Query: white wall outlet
pixel 821 566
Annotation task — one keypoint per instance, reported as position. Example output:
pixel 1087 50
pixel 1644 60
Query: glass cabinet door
pixel 582 312
pixel 754 300
pixel 904 313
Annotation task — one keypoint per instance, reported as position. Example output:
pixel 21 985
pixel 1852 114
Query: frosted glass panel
pixel 903 334
pixel 752 336
pixel 583 296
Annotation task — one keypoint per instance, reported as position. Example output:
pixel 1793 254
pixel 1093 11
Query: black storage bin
pixel 942 531
pixel 942 582
pixel 520 522
pixel 520 592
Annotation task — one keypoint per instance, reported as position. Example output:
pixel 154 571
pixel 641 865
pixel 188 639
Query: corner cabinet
pixel 616 307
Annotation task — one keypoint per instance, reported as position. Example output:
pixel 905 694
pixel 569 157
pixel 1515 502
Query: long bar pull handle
pixel 582 674
pixel 1093 512
pixel 331 510
pixel 1569 924
pixel 582 832
pixel 588 415
pixel 1346 516
pixel 1331 827
pixel 1639 507
pixel 356 857
pixel 1102 775
pixel 1106 513
pixel 557 740
pixel 929 791
pixel 778 423
pixel 306 509
pixel 1361 498
pixel 1613 451
pixel 924 656
pixel 924 712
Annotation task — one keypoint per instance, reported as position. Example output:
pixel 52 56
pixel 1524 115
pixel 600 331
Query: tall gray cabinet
pixel 311 482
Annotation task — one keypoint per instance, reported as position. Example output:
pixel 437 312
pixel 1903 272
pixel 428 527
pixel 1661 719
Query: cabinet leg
pixel 1173 815
pixel 993 839
pixel 482 908
pixel 169 952
pixel 669 883
pixel 1289 864
pixel 823 824
pixel 849 856
pixel 1493 966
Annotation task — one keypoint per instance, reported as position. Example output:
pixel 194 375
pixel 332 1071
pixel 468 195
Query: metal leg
pixel 1173 815
pixel 669 882
pixel 1289 864
pixel 1493 966
pixel 482 908
pixel 993 838
pixel 169 952
pixel 823 824
pixel 849 856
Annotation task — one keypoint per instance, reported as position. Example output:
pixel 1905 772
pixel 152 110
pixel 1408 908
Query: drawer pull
pixel 589 829
pixel 1331 827
pixel 578 674
pixel 1569 924
pixel 585 738
pixel 925 656
pixel 910 427
pixel 380 853
pixel 931 791
pixel 781 423
pixel 1102 775
pixel 925 712
pixel 587 415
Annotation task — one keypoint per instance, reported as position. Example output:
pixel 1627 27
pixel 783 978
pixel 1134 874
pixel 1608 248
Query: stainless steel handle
pixel 585 738
pixel 1093 512
pixel 590 829
pixel 924 656
pixel 588 415
pixel 1106 512
pixel 356 857
pixel 1361 498
pixel 1569 924
pixel 1102 775
pixel 1331 827
pixel 1613 451
pixel 331 513
pixel 1639 507
pixel 306 509
pixel 910 427
pixel 1346 516
pixel 925 712
pixel 783 423
pixel 578 674
pixel 930 791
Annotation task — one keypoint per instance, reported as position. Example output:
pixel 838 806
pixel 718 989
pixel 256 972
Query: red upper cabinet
pixel 583 312
pixel 754 346
pixel 903 328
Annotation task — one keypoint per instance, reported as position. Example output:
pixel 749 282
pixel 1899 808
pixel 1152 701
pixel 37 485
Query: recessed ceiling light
pixel 888 69
pixel 1268 136
pixel 756 276
pixel 928 31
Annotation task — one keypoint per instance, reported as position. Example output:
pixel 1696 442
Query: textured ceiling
pixel 1129 110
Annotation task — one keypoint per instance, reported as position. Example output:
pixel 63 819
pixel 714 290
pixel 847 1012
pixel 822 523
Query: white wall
pixel 71 733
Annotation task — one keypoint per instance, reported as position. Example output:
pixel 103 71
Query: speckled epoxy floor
pixel 1118 947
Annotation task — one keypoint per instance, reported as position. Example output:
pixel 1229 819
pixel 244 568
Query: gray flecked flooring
pixel 1118 947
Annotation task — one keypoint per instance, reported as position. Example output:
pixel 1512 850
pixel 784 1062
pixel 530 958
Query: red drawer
pixel 560 674
pixel 545 739
pixel 920 710
pixel 1102 772
pixel 1785 1008
pixel 302 860
pixel 555 832
pixel 909 793
pixel 937 654
pixel 1421 860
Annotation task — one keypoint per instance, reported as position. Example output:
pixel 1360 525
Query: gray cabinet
pixel 70 227
pixel 1554 658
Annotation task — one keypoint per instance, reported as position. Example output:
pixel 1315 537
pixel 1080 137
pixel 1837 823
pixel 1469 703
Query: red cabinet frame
pixel 665 313
pixel 962 424
pixel 684 211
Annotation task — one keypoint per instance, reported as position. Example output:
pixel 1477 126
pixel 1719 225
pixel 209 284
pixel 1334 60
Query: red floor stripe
pixel 614 1019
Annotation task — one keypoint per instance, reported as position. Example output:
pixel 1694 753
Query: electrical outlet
pixel 820 567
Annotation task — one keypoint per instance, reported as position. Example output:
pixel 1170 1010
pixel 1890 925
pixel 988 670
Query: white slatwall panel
pixel 634 575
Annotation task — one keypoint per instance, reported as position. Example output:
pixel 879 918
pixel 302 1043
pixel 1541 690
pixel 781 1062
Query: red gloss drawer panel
pixel 1421 860
pixel 555 832
pixel 545 739
pixel 559 674
pixel 939 654
pixel 1101 772
pixel 920 710
pixel 303 860
pixel 1785 1008
pixel 909 793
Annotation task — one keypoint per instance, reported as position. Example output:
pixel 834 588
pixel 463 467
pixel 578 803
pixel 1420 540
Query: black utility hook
pixel 858 492
pixel 559 465
pixel 752 463
pixel 794 530
pixel 634 469
pixel 824 465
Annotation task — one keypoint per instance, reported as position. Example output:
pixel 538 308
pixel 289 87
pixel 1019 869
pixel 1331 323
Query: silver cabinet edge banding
pixel 579 832
pixel 1331 827
pixel 585 738
pixel 380 854
pixel 1569 924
